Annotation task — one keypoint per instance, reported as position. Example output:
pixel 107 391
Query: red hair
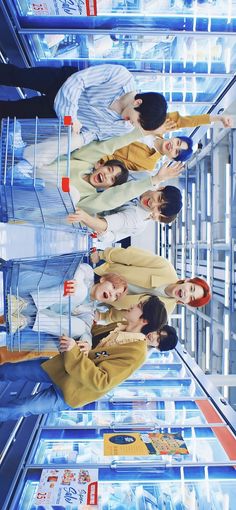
pixel 206 289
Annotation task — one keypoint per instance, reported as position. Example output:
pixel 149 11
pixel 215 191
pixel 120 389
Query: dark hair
pixel 167 219
pixel 185 154
pixel 152 110
pixel 155 313
pixel 172 201
pixel 168 342
pixel 123 176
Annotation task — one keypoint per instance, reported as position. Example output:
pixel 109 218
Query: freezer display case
pixel 159 371
pixel 186 68
pixel 155 356
pixel 59 447
pixel 127 8
pixel 178 488
pixel 153 390
pixel 134 415
pixel 164 53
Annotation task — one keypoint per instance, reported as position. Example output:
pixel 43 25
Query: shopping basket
pixel 28 281
pixel 35 184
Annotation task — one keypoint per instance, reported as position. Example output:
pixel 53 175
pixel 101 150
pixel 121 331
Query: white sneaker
pixel 15 138
pixel 15 304
pixel 17 322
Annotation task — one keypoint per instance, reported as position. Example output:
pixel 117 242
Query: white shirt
pixel 155 291
pixel 129 220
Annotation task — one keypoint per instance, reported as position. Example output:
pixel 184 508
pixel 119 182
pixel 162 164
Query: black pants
pixel 47 80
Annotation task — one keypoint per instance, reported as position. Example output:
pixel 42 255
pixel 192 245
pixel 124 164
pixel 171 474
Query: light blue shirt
pixel 88 94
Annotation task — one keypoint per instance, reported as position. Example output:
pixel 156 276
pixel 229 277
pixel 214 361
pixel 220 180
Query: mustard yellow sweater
pixel 138 156
pixel 85 379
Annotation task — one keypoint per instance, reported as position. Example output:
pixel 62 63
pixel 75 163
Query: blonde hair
pixel 116 280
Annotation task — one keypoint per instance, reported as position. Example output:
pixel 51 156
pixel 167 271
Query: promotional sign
pixel 64 8
pixel 77 487
pixel 158 443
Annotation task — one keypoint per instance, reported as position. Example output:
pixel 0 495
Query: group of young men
pixel 109 119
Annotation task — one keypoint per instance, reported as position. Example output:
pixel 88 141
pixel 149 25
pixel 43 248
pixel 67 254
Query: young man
pixel 150 273
pixel 102 177
pixel 144 156
pixel 164 340
pixel 76 379
pixel 101 100
pixel 133 217
pixel 47 310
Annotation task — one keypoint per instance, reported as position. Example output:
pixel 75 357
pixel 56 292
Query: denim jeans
pixel 40 403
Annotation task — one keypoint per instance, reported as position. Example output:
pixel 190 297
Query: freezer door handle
pixel 131 426
pixel 142 465
pixel 130 400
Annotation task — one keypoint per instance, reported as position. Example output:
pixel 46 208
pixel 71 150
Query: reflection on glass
pixel 173 413
pixel 161 53
pixel 201 443
pixel 170 8
pixel 197 492
pixel 162 371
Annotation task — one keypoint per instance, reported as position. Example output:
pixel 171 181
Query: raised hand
pixel 168 125
pixel 168 172
pixel 226 121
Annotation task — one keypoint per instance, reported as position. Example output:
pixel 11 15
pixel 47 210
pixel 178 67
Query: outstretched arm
pixel 175 121
pixel 118 195
pixel 95 151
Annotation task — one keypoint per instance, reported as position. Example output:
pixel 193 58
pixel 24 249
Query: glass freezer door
pixel 129 8
pixel 173 489
pixel 85 447
pixel 175 53
pixel 134 416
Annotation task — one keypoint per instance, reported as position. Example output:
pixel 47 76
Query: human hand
pixel 76 126
pixel 94 257
pixel 70 287
pixel 168 172
pixel 78 216
pixel 84 347
pixel 168 125
pixel 66 343
pixel 226 121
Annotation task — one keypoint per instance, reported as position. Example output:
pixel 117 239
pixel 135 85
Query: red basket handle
pixel 66 288
pixel 68 120
pixel 65 184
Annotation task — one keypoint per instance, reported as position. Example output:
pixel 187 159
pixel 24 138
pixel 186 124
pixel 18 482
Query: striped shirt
pixel 88 94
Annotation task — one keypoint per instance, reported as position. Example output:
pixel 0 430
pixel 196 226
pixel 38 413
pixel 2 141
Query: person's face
pixel 104 176
pixel 129 113
pixel 172 147
pixel 106 291
pixel 154 338
pixel 153 201
pixel 186 292
pixel 133 314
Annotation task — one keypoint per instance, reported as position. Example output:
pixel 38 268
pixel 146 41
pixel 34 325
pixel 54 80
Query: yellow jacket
pixel 85 379
pixel 138 156
pixel 139 267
